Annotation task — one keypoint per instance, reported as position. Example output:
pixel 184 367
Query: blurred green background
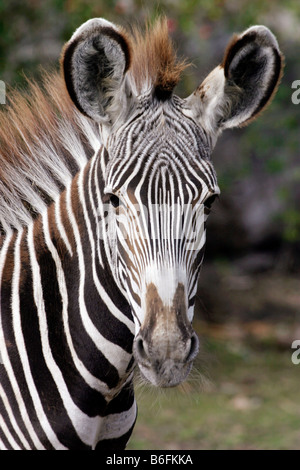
pixel 243 393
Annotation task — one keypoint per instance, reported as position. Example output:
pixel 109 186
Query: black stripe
pixel 109 445
pixel 88 400
pixel 47 389
pixel 7 323
pixel 122 402
pixel 92 358
pixel 105 322
pixel 6 418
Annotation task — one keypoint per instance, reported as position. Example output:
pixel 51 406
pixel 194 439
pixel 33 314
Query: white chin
pixel 170 374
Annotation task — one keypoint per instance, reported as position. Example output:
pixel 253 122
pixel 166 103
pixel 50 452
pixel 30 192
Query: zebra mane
pixel 154 63
pixel 44 141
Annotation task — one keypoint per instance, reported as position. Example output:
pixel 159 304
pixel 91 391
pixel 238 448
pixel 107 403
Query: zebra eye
pixel 209 201
pixel 114 200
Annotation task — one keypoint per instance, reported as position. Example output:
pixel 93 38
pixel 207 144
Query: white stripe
pixel 3 254
pixel 94 168
pixel 7 364
pixel 12 418
pixel 82 423
pixel 43 420
pixel 117 424
pixel 61 227
pixel 89 378
pixel 113 353
pixel 116 174
pixel 8 435
pixel 2 446
pixel 103 294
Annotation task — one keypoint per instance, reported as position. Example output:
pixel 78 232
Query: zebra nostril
pixel 140 349
pixel 194 348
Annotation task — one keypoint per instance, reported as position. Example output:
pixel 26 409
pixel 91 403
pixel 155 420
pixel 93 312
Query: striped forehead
pixel 164 146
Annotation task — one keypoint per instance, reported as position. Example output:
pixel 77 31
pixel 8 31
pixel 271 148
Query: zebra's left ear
pixel 94 64
pixel 236 91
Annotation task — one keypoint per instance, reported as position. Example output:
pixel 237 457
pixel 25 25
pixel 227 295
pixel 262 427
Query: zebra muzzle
pixel 166 344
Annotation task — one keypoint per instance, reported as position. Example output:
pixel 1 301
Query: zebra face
pixel 159 180
pixel 160 183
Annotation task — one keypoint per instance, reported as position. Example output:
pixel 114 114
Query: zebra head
pixel 157 178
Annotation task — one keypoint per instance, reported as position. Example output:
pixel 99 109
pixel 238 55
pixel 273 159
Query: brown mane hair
pixel 43 142
pixel 154 60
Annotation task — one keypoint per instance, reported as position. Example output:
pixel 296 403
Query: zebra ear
pixel 94 64
pixel 236 91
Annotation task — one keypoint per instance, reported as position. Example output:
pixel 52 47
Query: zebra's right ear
pixel 236 91
pixel 94 64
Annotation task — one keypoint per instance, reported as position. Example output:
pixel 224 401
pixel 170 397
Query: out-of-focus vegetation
pixel 252 265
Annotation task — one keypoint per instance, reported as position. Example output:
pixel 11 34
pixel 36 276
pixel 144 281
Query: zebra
pixel 106 182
